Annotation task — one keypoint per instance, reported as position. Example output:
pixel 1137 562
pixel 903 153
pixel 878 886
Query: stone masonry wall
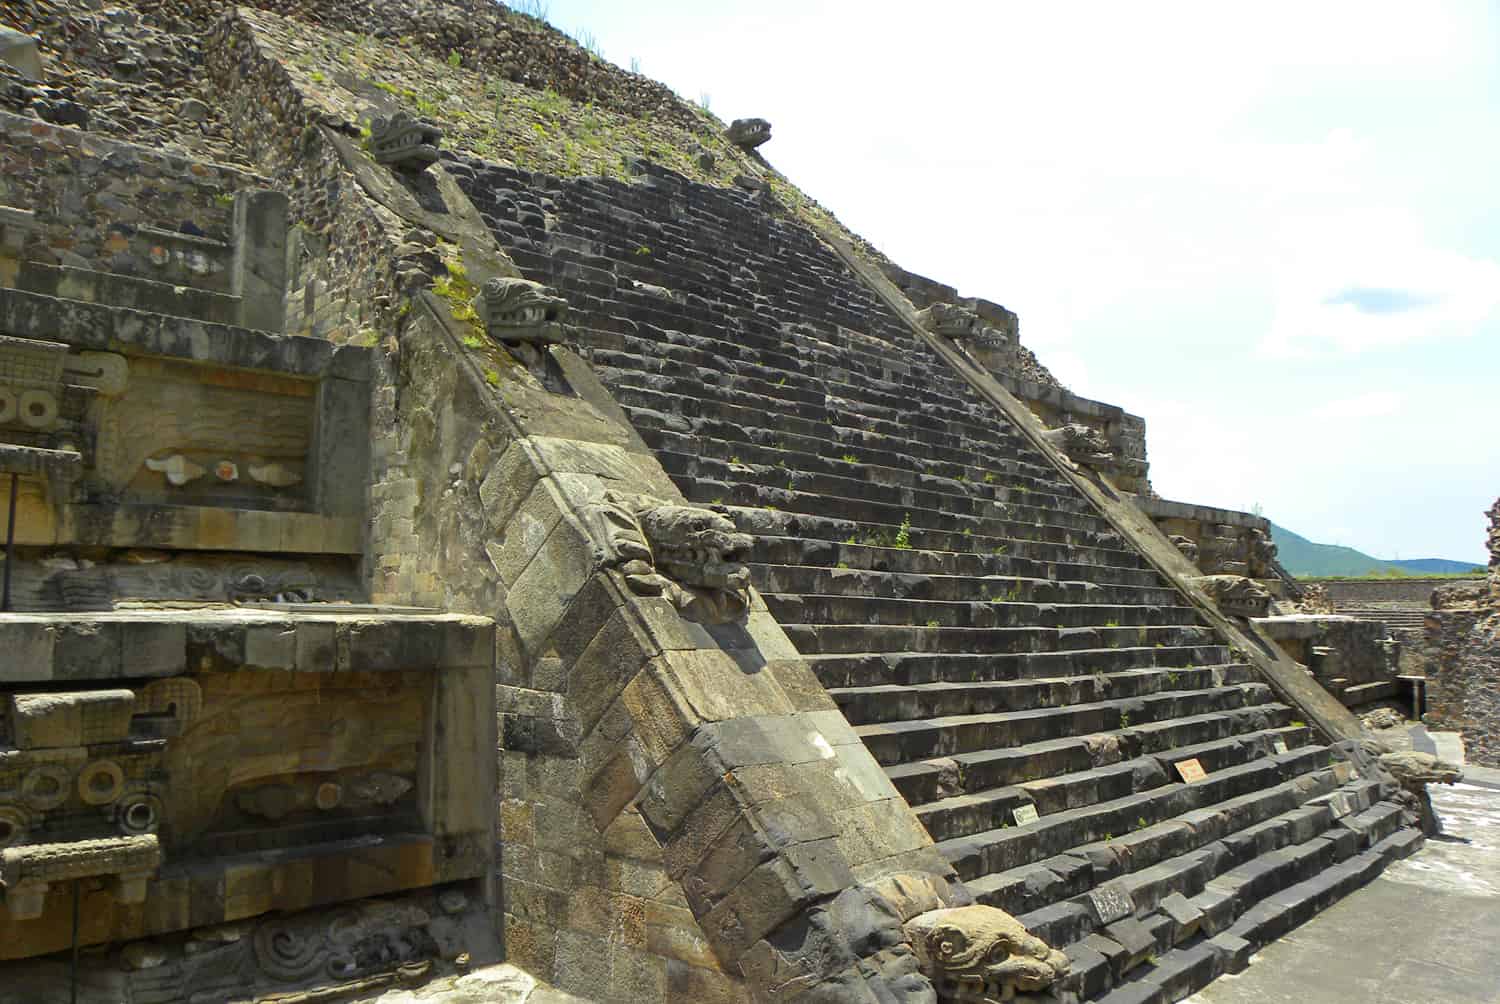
pixel 685 813
pixel 1411 592
pixel 1463 657
pixel 117 207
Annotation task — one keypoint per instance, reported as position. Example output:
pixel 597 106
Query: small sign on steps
pixel 1190 770
pixel 1111 901
pixel 1024 814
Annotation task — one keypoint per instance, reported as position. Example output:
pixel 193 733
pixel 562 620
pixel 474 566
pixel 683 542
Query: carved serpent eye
pixel 999 953
pixel 947 943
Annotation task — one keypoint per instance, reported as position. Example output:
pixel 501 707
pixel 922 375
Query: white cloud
pixel 1360 407
pixel 1371 282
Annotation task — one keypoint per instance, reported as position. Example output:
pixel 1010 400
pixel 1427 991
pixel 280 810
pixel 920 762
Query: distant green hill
pixel 1303 558
pixel 1435 566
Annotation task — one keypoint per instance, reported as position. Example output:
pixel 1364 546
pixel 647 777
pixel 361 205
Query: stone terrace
pixel 994 642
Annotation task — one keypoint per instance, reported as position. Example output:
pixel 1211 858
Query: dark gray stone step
pixel 792 538
pixel 815 639
pixel 912 411
pixel 1008 478
pixel 996 611
pixel 924 782
pixel 867 669
pixel 922 739
pixel 898 585
pixel 893 703
pixel 984 501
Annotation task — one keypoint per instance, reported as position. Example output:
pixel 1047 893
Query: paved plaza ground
pixel 1427 931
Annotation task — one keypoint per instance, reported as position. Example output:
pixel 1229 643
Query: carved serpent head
pixel 984 946
pixel 697 547
pixel 519 310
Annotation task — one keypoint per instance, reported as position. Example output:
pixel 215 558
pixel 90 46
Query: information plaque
pixel 1191 770
pixel 1111 902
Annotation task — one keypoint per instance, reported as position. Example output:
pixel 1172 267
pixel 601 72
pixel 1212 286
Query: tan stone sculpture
pixel 1235 595
pixel 519 311
pixel 980 954
pixel 1082 444
pixel 1186 545
pixel 404 143
pixel 951 320
pixel 1414 772
pixel 1262 555
pixel 691 555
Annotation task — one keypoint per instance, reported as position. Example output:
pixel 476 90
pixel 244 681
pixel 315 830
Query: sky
pixel 1271 230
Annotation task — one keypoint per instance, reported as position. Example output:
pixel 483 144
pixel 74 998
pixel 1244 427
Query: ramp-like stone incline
pixel 993 641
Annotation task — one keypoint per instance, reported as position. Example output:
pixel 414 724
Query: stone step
pixel 1184 855
pixel 1279 913
pixel 818 415
pixel 808 422
pixel 807 394
pixel 1008 478
pixel 1126 819
pixel 863 582
pixel 893 703
pixel 865 669
pixel 922 739
pixel 828 639
pixel 778 513
pixel 991 638
pixel 881 447
pixel 980 501
pixel 924 782
pixel 1195 895
pixel 993 807
pixel 994 611
pixel 778 542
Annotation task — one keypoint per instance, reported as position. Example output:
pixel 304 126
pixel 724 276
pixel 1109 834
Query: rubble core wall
pixel 1463 657
pixel 113 206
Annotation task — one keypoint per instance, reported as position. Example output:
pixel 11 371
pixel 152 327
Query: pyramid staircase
pixel 999 648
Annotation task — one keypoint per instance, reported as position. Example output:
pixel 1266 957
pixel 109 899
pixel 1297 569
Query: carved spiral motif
pixel 14 825
pixel 46 786
pixel 138 813
pixel 286 953
pixel 101 782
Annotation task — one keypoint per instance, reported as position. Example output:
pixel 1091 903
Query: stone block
pixel 1185 917
pixel 708 686
pixel 20 52
pixel 576 456
pixel 542 593
pixel 29 647
pixel 521 536
pixel 506 486
pixel 673 933
pixel 582 962
pixel 259 277
pixel 610 661
pixel 676 789
pixel 1136 940
pixel 660 725
pixel 42 721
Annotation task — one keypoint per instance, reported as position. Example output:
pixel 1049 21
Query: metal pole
pixel 73 969
pixel 10 543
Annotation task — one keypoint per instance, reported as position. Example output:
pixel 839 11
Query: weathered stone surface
pixel 986 946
